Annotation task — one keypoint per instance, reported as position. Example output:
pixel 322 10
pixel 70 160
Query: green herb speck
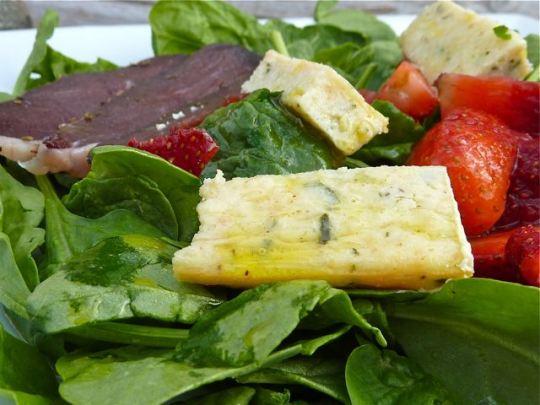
pixel 502 32
pixel 325 229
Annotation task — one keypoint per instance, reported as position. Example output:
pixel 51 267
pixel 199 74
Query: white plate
pixel 125 44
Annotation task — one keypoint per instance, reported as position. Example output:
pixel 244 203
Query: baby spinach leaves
pixel 93 198
pixel 353 21
pixel 25 374
pixel 533 54
pixel 186 26
pixel 69 234
pixel 377 376
pixel 249 327
pixel 395 146
pixel 322 374
pixel 145 184
pixel 21 212
pixel 122 376
pixel 45 65
pixel 258 135
pixel 478 337
pixel 13 289
pixel 118 278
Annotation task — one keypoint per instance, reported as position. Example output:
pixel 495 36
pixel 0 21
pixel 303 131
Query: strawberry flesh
pixel 188 148
pixel 523 201
pixel 523 253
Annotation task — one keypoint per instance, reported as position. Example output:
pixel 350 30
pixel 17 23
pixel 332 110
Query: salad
pixel 271 214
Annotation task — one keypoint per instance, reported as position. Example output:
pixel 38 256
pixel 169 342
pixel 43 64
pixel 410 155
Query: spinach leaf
pixel 230 396
pixel 131 334
pixel 395 146
pixel 365 66
pixel 25 374
pixel 5 97
pixel 264 396
pixel 68 234
pixel 325 375
pixel 119 278
pixel 152 187
pixel 93 198
pixel 305 42
pixel 13 289
pixel 20 216
pixel 11 397
pixel 353 21
pixel 383 377
pixel 258 135
pixel 49 65
pixel 478 337
pixel 249 327
pixel 122 376
pixel 186 26
pixel 533 48
pixel 533 54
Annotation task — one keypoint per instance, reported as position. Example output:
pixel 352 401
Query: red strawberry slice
pixel 523 253
pixel 188 148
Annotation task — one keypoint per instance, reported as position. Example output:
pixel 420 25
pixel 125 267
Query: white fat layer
pixel 38 159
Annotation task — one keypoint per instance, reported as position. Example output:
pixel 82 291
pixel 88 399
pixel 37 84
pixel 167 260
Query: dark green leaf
pixel 383 377
pixel 533 54
pixel 250 326
pixel 49 65
pixel 365 66
pixel 13 289
pixel 123 376
pixel 186 26
pixel 478 337
pixel 324 7
pixel 10 397
pixel 19 219
pixel 119 278
pixel 152 188
pixel 304 43
pixel 95 197
pixel 502 32
pixel 264 396
pixel 68 234
pixel 353 21
pixel 325 375
pixel 230 396
pixel 131 334
pixel 5 97
pixel 24 372
pixel 533 48
pixel 395 146
pixel 258 135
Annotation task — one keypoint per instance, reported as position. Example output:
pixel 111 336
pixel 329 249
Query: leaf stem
pixel 365 76
pixel 278 42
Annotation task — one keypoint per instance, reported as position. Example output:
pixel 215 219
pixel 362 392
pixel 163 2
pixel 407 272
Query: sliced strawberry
pixel 479 152
pixel 233 99
pixel 523 201
pixel 515 102
pixel 188 148
pixel 523 253
pixel 490 257
pixel 369 95
pixel 409 91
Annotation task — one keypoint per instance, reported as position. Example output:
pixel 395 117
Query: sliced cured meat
pixel 182 89
pixel 39 112
pixel 197 87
